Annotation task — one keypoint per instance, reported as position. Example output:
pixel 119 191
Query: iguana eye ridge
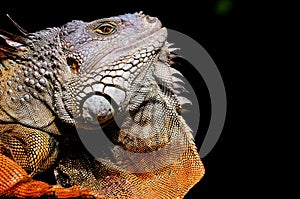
pixel 106 29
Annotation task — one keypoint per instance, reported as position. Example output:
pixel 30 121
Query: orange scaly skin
pixel 16 183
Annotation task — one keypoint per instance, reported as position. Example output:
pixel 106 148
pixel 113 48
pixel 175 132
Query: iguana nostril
pixel 151 19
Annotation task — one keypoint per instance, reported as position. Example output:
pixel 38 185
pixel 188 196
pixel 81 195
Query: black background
pixel 232 167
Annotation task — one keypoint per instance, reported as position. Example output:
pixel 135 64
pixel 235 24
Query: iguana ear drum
pixel 73 64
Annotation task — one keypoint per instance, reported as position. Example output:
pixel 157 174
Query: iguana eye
pixel 106 28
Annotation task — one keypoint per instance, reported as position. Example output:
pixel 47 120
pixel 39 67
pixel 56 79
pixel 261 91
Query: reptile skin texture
pixel 112 76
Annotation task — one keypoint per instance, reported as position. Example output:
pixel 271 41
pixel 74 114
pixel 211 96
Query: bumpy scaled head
pixel 105 56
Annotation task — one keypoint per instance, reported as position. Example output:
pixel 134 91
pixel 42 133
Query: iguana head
pixel 75 72
pixel 105 56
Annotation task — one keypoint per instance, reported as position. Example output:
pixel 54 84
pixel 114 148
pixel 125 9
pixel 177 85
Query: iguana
pixel 113 76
